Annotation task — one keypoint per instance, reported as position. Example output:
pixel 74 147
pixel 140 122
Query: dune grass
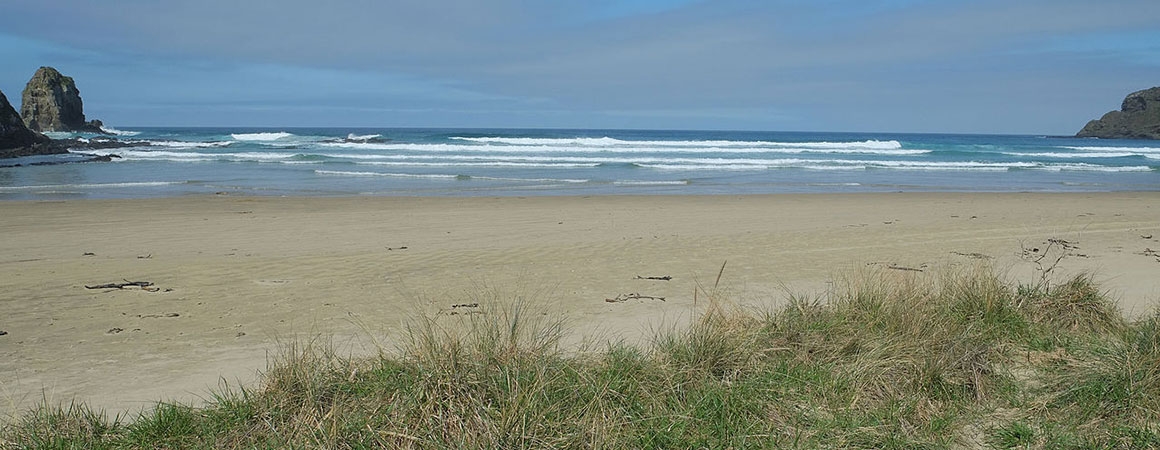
pixel 889 360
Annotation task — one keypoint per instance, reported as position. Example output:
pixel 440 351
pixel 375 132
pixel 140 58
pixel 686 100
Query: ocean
pixel 535 162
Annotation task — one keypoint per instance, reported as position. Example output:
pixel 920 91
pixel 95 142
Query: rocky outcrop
pixel 1138 118
pixel 52 102
pixel 16 139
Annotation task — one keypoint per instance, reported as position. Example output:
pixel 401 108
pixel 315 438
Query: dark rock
pixel 52 102
pixel 1138 118
pixel 90 158
pixel 96 143
pixel 16 139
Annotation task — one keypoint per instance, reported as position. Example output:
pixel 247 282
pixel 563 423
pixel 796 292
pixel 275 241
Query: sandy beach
pixel 232 277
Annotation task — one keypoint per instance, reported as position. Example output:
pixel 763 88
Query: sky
pixel 937 66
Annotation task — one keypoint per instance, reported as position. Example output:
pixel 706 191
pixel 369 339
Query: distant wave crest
pixel 261 136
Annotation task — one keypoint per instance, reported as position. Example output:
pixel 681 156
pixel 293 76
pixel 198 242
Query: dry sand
pixel 236 276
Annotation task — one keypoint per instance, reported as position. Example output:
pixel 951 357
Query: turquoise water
pixel 504 162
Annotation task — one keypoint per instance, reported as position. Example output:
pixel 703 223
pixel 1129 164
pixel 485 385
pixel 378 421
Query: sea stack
pixel 16 139
pixel 1138 118
pixel 52 102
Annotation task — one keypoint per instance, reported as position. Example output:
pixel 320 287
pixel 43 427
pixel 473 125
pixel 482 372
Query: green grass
pixel 891 360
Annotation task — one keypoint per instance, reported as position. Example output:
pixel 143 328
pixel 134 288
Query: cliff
pixel 16 139
pixel 1138 118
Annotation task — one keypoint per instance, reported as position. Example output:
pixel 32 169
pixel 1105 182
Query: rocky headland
pixel 1138 118
pixel 52 102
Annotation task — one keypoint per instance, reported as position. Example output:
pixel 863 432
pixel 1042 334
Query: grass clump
pixel 888 360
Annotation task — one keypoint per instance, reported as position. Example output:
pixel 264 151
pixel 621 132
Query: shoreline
pixel 244 274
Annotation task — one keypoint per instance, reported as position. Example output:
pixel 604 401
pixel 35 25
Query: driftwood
pixel 972 255
pixel 664 278
pixel 633 296
pixel 144 285
pixel 893 266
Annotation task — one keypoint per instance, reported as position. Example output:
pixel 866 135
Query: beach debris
pixel 151 316
pixel 149 256
pixel 892 266
pixel 389 249
pixel 88 254
pixel 1036 254
pixel 664 278
pixel 633 296
pixel 465 308
pixel 1146 236
pixel 114 330
pixel 144 285
pixel 3 333
pixel 973 255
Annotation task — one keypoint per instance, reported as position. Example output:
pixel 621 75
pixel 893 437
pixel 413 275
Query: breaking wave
pixel 261 136
pixel 116 132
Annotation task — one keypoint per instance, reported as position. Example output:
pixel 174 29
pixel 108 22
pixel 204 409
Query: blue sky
pixel 981 66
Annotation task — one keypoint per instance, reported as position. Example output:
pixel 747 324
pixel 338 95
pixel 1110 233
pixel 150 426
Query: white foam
pixel 727 167
pixel 261 136
pixel 380 174
pixel 480 164
pixel 116 132
pixel 189 144
pixel 657 147
pixel 943 165
pixel 1079 167
pixel 165 155
pixel 611 142
pixel 588 160
pixel 1072 155
pixel 1137 150
pixel 537 180
pixel 363 137
pixel 816 167
pixel 89 185
pixel 651 183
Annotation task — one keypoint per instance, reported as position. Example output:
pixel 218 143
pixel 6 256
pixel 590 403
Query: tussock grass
pixel 888 359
